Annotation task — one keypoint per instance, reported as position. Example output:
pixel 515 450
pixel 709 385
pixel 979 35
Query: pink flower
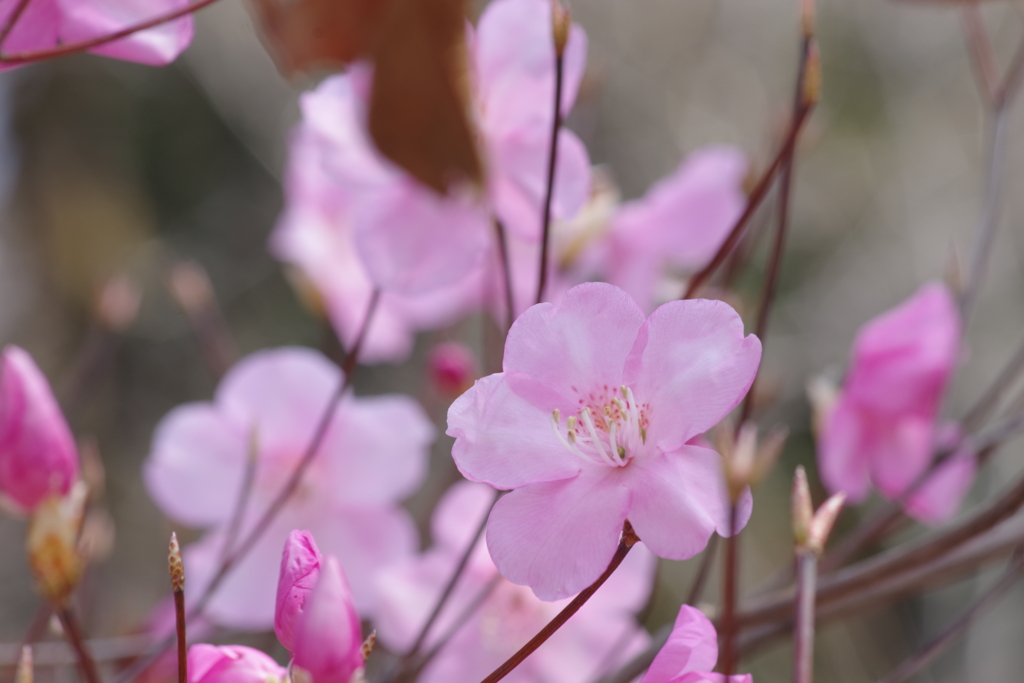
pixel 589 424
pixel 300 570
pixel 328 635
pixel 38 456
pixel 678 225
pixel 49 23
pixel 232 664
pixel 268 407
pixel 691 652
pixel 882 428
pixel 601 636
pixel 451 368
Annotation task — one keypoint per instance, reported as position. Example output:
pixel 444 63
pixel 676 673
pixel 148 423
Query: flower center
pixel 607 430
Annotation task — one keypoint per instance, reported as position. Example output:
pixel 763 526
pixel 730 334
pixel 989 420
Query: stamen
pixel 588 421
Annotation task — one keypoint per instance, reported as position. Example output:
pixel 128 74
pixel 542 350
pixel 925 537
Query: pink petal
pixel 695 367
pixel 155 46
pixel 504 441
pixel 899 453
pixel 692 646
pixel 231 664
pixel 578 346
pixel 841 453
pixel 328 635
pixel 940 496
pixel 558 537
pixel 36 29
pixel 196 466
pixel 459 514
pixel 300 571
pixel 679 500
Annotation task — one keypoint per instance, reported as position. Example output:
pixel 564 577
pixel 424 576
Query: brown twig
pixel 506 271
pixel 729 580
pixel 545 244
pixel 803 645
pixel 73 634
pixel 703 572
pixel 242 502
pixel 177 571
pixel 628 540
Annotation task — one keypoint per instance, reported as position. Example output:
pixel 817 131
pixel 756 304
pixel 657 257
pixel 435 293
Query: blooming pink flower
pixel 882 427
pixel 589 424
pixel 601 636
pixel 49 23
pixel 451 368
pixel 678 225
pixel 268 406
pixel 300 570
pixel 232 664
pixel 38 456
pixel 328 635
pixel 690 653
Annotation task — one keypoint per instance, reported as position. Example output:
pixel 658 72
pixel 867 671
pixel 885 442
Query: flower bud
pixel 561 25
pixel 117 305
pixel 52 541
pixel 328 637
pixel 38 457
pixel 300 569
pixel 452 368
pixel 824 520
pixel 803 509
pixel 232 664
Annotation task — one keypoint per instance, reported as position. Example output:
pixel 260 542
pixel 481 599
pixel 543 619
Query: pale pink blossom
pixel 882 428
pixel 38 455
pixel 300 570
pixel 232 664
pixel 677 226
pixel 328 636
pixel 268 407
pixel 690 653
pixel 47 24
pixel 589 423
pixel 603 635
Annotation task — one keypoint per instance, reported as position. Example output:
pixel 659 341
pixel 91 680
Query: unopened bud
pixel 367 647
pixel 52 541
pixel 452 369
pixel 812 76
pixel 175 565
pixel 824 520
pixel 561 24
pixel 739 464
pixel 24 673
pixel 822 392
pixel 190 287
pixel 807 12
pixel 803 510
pixel 118 303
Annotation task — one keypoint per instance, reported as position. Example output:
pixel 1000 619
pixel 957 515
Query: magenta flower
pixel 232 664
pixel 882 428
pixel 49 23
pixel 589 424
pixel 678 225
pixel 601 636
pixel 268 407
pixel 38 456
pixel 300 570
pixel 452 368
pixel 328 635
pixel 690 653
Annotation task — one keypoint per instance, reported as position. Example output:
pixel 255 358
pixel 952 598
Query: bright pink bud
pixel 452 368
pixel 328 637
pixel 38 456
pixel 232 664
pixel 300 569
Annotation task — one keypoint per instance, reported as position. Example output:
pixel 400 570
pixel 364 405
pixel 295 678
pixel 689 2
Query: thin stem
pixel 460 621
pixel 242 502
pixel 803 632
pixel 506 270
pixel 69 48
pixel 627 542
pixel 73 634
pixel 556 127
pixel 180 632
pixel 940 643
pixel 12 20
pixel 994 394
pixel 729 581
pixel 703 572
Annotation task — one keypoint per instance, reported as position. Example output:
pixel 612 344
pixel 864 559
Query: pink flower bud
pixel 300 569
pixel 38 456
pixel 232 664
pixel 451 368
pixel 328 636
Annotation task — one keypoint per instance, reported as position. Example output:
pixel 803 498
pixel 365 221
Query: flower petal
pixel 692 646
pixel 155 46
pixel 841 449
pixel 940 496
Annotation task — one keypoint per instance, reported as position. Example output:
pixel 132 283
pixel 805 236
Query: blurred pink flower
pixel 38 455
pixel 601 636
pixel 882 429
pixel 269 405
pixel 589 423
pixel 232 664
pixel 690 653
pixel 678 225
pixel 50 23
pixel 328 636
pixel 452 368
pixel 300 569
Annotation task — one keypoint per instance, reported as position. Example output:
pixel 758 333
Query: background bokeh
pixel 108 167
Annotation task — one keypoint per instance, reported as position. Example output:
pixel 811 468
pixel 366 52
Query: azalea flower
pixel 38 455
pixel 46 24
pixel 690 653
pixel 603 635
pixel 232 664
pixel 882 428
pixel 268 407
pixel 588 425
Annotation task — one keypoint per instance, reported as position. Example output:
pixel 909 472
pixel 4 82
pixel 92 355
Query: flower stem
pixel 629 539
pixel 73 634
pixel 803 632
pixel 729 580
pixel 506 270
pixel 545 243
pixel 703 572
